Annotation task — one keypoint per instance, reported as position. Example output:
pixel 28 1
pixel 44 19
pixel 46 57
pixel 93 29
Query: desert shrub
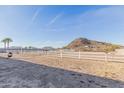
pixel 111 48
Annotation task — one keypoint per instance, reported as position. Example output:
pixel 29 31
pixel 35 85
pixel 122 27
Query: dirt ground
pixel 112 70
pixel 59 72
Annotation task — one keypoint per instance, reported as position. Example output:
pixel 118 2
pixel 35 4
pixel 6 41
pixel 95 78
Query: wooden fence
pixel 100 56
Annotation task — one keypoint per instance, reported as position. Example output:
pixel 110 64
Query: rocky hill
pixel 84 44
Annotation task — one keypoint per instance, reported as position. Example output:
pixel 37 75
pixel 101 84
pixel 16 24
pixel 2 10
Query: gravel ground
pixel 23 74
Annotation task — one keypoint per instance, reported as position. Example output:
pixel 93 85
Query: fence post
pixel 61 54
pixel 79 55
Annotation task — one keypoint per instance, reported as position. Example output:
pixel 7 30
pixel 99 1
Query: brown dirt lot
pixel 29 70
pixel 112 70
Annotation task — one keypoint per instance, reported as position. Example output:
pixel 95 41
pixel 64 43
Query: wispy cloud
pixel 34 16
pixel 36 13
pixel 55 19
pixel 105 18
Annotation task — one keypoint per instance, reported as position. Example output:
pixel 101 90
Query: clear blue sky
pixel 58 25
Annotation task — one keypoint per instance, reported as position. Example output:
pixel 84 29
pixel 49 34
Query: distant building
pixel 86 46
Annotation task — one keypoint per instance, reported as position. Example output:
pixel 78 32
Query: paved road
pixel 22 74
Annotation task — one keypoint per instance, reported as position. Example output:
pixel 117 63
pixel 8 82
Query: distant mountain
pixel 48 48
pixel 84 44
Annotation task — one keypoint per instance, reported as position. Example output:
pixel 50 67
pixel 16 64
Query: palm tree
pixel 6 42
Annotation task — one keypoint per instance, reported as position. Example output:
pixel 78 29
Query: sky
pixel 56 26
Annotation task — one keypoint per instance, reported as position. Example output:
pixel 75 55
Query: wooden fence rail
pixel 100 56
